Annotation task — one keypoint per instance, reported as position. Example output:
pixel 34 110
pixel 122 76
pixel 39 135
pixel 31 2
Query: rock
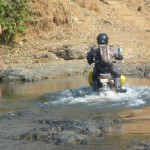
pixel 20 74
pixel 93 130
pixel 39 71
pixel 67 131
pixel 139 145
pixel 10 115
pixel 147 73
pixel 118 120
pixel 69 54
pixel 46 55
pixel 72 137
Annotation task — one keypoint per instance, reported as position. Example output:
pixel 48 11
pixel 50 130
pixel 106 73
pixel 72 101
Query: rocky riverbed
pixel 36 72
pixel 69 131
pixel 62 131
pixel 72 118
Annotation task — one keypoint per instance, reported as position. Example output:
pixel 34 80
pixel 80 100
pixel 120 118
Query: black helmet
pixel 102 38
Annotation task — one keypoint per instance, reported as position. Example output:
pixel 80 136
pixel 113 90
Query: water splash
pixel 135 96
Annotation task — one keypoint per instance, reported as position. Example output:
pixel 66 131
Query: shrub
pixel 14 16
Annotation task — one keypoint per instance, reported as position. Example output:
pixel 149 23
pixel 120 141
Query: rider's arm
pixel 90 56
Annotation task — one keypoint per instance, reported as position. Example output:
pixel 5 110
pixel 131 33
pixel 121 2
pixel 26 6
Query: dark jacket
pixel 103 56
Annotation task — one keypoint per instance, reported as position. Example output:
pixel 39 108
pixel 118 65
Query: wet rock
pixel 93 130
pixel 68 131
pixel 58 124
pixel 10 115
pixel 36 72
pixel 147 73
pixel 118 120
pixel 134 69
pixel 22 74
pixel 139 145
pixel 72 137
pixel 105 126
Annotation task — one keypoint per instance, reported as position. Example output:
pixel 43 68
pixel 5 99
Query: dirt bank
pixel 57 24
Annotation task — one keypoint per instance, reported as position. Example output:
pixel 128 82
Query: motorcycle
pixel 105 82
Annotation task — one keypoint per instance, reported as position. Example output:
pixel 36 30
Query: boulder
pixel 22 74
pixel 69 52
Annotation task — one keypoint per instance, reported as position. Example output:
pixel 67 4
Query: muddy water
pixel 23 104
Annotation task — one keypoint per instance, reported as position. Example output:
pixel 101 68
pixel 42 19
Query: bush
pixel 14 16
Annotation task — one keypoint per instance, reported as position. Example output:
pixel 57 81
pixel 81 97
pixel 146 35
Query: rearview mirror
pixel 120 50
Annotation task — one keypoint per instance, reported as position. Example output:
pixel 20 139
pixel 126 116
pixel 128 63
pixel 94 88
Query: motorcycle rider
pixel 103 56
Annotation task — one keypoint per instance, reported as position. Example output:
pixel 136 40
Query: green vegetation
pixel 14 16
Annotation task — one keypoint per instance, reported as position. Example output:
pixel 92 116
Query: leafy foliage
pixel 14 15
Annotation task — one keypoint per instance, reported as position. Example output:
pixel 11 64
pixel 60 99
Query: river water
pixel 73 98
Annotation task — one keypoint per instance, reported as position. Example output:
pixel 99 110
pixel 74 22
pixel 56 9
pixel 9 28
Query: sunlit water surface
pixel 73 98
